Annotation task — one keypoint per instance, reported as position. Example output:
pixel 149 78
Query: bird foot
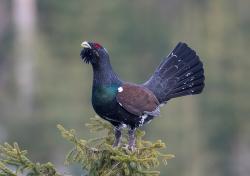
pixel 125 146
pixel 131 140
pixel 129 148
pixel 116 144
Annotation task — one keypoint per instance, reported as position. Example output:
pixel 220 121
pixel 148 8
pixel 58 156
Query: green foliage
pixel 14 161
pixel 97 155
pixel 99 158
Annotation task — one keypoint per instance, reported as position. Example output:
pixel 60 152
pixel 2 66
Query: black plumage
pixel 125 104
pixel 181 73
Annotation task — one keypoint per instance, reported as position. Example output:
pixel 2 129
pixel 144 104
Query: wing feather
pixel 137 100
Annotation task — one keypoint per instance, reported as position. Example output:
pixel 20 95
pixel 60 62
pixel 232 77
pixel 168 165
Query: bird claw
pixel 129 148
pixel 125 146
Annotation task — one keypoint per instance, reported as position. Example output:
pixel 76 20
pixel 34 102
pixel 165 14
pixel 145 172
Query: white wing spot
pixel 120 89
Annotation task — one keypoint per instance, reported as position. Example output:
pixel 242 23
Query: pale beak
pixel 85 45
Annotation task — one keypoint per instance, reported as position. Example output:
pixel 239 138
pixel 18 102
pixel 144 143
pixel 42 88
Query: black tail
pixel 180 74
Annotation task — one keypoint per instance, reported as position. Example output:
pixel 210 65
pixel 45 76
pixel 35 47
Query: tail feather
pixel 188 68
pixel 194 90
pixel 180 74
pixel 187 85
pixel 175 59
pixel 193 77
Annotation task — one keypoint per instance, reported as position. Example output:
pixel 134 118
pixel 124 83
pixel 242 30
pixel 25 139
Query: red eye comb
pixel 97 45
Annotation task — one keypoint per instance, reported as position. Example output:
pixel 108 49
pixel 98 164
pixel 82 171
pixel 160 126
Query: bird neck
pixel 104 74
pixel 105 85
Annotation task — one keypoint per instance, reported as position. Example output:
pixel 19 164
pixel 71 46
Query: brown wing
pixel 136 99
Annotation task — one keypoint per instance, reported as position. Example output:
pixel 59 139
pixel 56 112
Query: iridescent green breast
pixel 104 95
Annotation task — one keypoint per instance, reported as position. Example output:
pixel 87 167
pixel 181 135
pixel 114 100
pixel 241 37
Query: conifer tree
pixel 96 156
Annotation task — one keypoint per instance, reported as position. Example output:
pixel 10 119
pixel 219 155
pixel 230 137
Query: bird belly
pixel 115 114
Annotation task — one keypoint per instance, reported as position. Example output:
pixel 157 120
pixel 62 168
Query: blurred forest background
pixel 43 81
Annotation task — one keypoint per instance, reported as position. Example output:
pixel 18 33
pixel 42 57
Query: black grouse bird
pixel 127 104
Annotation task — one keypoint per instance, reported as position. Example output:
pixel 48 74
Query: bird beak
pixel 85 45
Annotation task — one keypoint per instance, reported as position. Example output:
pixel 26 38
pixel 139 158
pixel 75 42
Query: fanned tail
pixel 180 74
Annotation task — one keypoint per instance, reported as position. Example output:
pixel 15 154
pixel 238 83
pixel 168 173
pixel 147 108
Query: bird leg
pixel 131 139
pixel 118 135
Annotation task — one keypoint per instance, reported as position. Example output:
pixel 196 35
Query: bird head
pixel 92 52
